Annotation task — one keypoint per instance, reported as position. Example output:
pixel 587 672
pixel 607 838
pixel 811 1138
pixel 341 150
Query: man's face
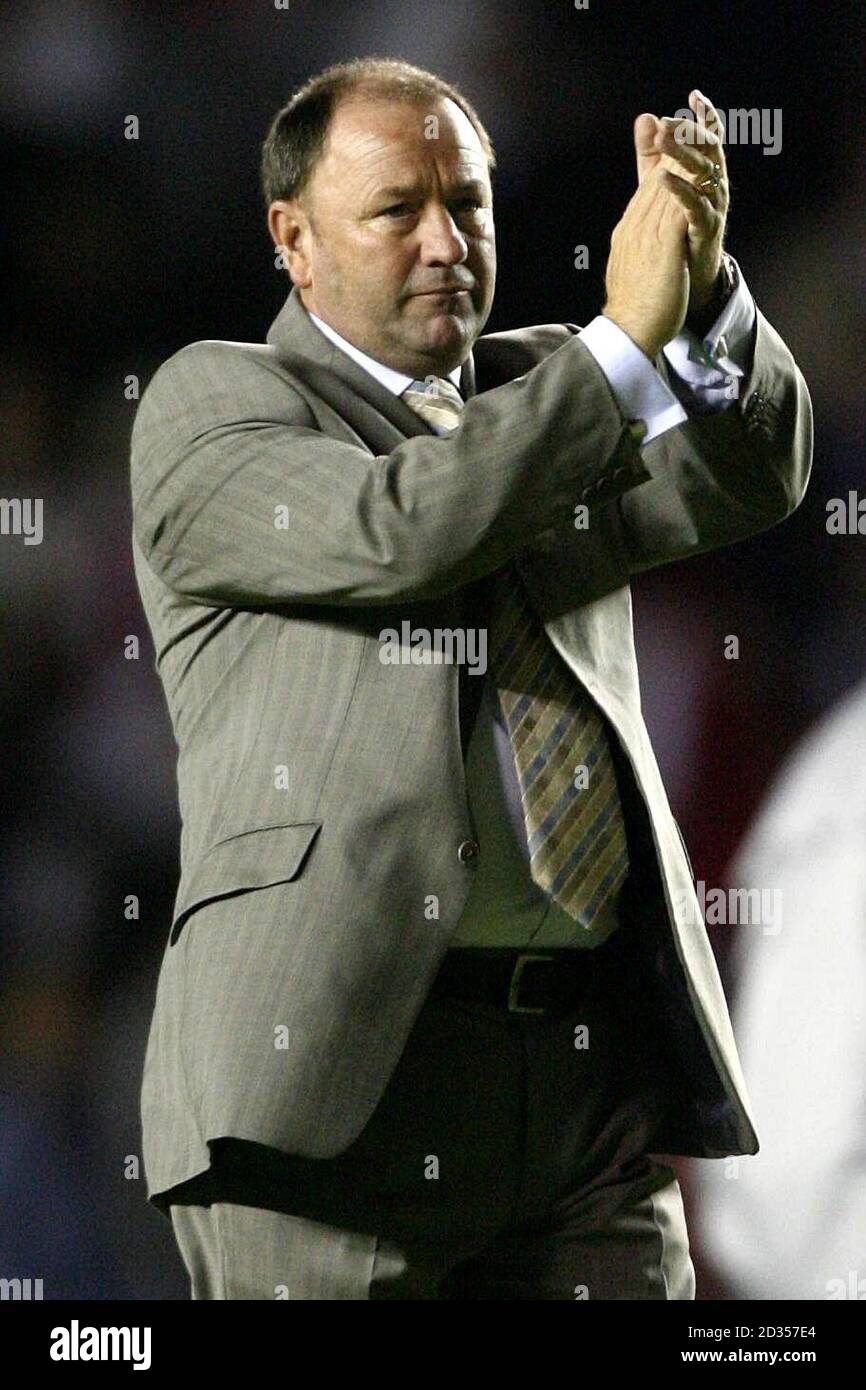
pixel 395 216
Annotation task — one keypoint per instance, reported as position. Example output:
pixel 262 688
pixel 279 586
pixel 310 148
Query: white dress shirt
pixel 703 369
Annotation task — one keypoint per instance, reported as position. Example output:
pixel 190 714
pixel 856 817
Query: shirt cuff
pixel 639 390
pixel 709 369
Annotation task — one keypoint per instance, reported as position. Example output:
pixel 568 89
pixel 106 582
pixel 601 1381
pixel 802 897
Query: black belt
pixel 525 982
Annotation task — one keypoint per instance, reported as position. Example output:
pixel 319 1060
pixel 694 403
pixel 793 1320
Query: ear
pixel 289 228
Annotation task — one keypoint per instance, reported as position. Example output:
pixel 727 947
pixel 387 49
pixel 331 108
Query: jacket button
pixel 468 851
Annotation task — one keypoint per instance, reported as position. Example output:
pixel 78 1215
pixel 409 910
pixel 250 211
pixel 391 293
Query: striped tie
pixel 436 400
pixel 574 820
pixel 573 816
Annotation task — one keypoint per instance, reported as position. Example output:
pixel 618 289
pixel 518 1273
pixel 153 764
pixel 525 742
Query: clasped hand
pixel 666 249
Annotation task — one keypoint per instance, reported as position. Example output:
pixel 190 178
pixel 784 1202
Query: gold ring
pixel 714 180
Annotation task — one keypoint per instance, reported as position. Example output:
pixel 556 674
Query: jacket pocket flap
pixel 254 858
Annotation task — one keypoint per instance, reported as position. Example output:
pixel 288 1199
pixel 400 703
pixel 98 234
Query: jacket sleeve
pixel 714 479
pixel 239 499
pixel 720 477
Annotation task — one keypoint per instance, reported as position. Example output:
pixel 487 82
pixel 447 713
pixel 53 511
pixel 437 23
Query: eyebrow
pixel 401 191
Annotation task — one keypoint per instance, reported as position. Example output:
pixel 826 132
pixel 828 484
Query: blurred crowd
pixel 119 251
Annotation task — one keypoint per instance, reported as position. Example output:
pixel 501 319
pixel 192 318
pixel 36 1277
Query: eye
pixel 405 210
pixel 471 207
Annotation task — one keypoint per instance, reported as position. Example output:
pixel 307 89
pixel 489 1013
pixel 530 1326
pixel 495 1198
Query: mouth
pixel 441 294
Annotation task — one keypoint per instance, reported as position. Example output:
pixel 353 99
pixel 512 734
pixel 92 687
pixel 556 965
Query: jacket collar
pixel 316 359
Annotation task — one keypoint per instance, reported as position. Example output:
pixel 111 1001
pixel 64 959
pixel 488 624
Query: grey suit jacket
pixel 287 508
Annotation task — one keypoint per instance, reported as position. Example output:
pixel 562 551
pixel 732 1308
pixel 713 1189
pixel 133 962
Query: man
pixel 426 1009
pixel 788 1224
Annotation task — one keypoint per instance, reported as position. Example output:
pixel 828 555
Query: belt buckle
pixel 519 966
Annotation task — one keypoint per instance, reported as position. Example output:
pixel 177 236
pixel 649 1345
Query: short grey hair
pixel 297 134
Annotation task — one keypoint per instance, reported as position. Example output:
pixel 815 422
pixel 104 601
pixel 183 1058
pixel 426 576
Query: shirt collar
pixel 395 381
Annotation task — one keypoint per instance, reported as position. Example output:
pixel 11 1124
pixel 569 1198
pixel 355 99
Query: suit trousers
pixel 508 1158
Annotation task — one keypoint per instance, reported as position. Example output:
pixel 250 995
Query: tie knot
pixel 436 400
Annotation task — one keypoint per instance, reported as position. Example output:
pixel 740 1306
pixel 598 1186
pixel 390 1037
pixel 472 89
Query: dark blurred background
pixel 118 252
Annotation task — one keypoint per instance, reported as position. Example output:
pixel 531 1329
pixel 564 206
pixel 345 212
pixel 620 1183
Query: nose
pixel 442 242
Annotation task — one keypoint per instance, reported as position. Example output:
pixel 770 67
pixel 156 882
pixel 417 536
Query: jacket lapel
pixel 376 413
